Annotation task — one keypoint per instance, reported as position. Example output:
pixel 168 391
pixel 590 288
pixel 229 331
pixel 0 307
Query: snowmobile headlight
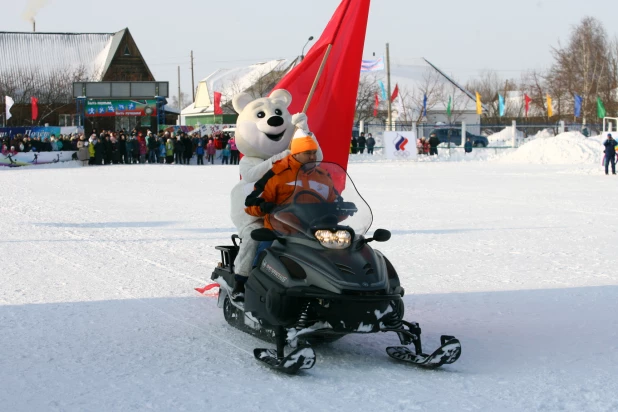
pixel 339 239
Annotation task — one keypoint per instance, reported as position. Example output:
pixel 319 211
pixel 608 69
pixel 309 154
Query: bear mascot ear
pixel 241 101
pixel 282 94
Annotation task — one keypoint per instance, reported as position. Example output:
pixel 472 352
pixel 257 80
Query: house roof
pixel 40 53
pixel 23 51
pixel 230 82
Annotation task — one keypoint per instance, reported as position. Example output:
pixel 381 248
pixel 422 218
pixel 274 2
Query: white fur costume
pixel 263 133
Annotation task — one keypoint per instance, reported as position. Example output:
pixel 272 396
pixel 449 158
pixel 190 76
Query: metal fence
pixel 489 137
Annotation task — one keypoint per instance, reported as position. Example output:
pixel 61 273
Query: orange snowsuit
pixel 278 184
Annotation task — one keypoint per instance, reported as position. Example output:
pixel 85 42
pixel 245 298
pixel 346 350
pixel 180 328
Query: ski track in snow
pixel 98 311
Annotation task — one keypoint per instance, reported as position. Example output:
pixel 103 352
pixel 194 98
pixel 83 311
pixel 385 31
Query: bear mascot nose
pixel 275 121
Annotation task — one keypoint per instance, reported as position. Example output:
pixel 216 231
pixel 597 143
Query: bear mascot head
pixel 264 126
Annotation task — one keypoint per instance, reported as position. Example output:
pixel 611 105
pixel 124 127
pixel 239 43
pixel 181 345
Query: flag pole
pixel 314 85
pixel 317 78
pixel 388 86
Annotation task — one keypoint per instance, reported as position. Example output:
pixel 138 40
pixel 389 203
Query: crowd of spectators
pixel 122 147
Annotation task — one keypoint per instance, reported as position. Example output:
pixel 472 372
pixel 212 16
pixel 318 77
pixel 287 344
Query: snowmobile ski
pixel 301 358
pixel 448 353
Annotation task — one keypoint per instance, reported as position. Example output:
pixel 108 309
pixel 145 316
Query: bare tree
pixel 459 100
pixel 53 89
pixel 488 85
pixel 534 85
pixel 583 66
pixel 175 103
pixel 365 98
pixel 432 86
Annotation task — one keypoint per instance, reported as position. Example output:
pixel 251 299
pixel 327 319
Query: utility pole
pixel 388 86
pixel 192 77
pixel 179 99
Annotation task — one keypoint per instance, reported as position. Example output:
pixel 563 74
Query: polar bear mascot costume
pixel 264 130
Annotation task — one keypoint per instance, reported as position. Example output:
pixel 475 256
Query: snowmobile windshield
pixel 324 202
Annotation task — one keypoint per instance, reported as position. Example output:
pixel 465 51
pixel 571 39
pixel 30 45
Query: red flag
pixel 35 107
pixel 376 105
pixel 395 93
pixel 331 112
pixel 207 288
pixel 217 103
pixel 527 100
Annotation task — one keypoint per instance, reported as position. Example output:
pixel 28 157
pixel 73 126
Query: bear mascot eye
pixel 278 112
pixel 261 115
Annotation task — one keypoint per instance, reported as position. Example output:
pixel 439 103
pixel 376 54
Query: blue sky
pixel 460 37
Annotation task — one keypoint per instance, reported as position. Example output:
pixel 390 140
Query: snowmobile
pixel 321 280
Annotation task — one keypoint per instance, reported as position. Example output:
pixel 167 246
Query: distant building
pixel 45 65
pixel 257 79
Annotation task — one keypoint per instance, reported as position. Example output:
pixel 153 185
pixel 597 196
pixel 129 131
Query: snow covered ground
pixel 98 311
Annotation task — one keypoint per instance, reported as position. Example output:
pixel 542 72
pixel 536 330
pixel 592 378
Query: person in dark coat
pixel 136 153
pixel 371 142
pixel 129 144
pixel 107 144
pixel 468 146
pixel 178 150
pixel 122 149
pixel 188 145
pixel 354 145
pixel 153 146
pixel 362 141
pixel 433 144
pixel 610 153
pixel 98 152
pixel 114 150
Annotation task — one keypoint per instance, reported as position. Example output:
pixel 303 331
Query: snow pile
pixel 565 148
pixel 543 133
pixel 504 138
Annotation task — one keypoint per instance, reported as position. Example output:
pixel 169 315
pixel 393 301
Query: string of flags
pixel 577 110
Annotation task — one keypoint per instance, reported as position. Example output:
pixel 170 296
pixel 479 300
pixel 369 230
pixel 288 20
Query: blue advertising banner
pixel 38 131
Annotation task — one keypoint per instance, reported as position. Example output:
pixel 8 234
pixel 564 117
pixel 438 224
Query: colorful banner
pixel 527 101
pixel 395 93
pixel 601 112
pixel 382 89
pixel 41 132
pixel 35 107
pixel 9 102
pixel 372 65
pixel 34 158
pixel 208 129
pixel 110 108
pixel 479 104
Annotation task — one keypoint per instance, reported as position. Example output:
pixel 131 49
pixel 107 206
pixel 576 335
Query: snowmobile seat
pixel 228 254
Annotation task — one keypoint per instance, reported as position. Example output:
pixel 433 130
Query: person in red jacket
pixel 211 150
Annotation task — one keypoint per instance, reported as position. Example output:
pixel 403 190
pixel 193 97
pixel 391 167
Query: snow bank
pixel 565 148
pixel 504 138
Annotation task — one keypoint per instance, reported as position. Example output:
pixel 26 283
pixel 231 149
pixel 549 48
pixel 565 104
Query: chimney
pixel 33 26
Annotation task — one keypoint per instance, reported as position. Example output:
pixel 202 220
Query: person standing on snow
pixel 433 144
pixel 371 142
pixel 468 146
pixel 362 141
pixel 610 153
